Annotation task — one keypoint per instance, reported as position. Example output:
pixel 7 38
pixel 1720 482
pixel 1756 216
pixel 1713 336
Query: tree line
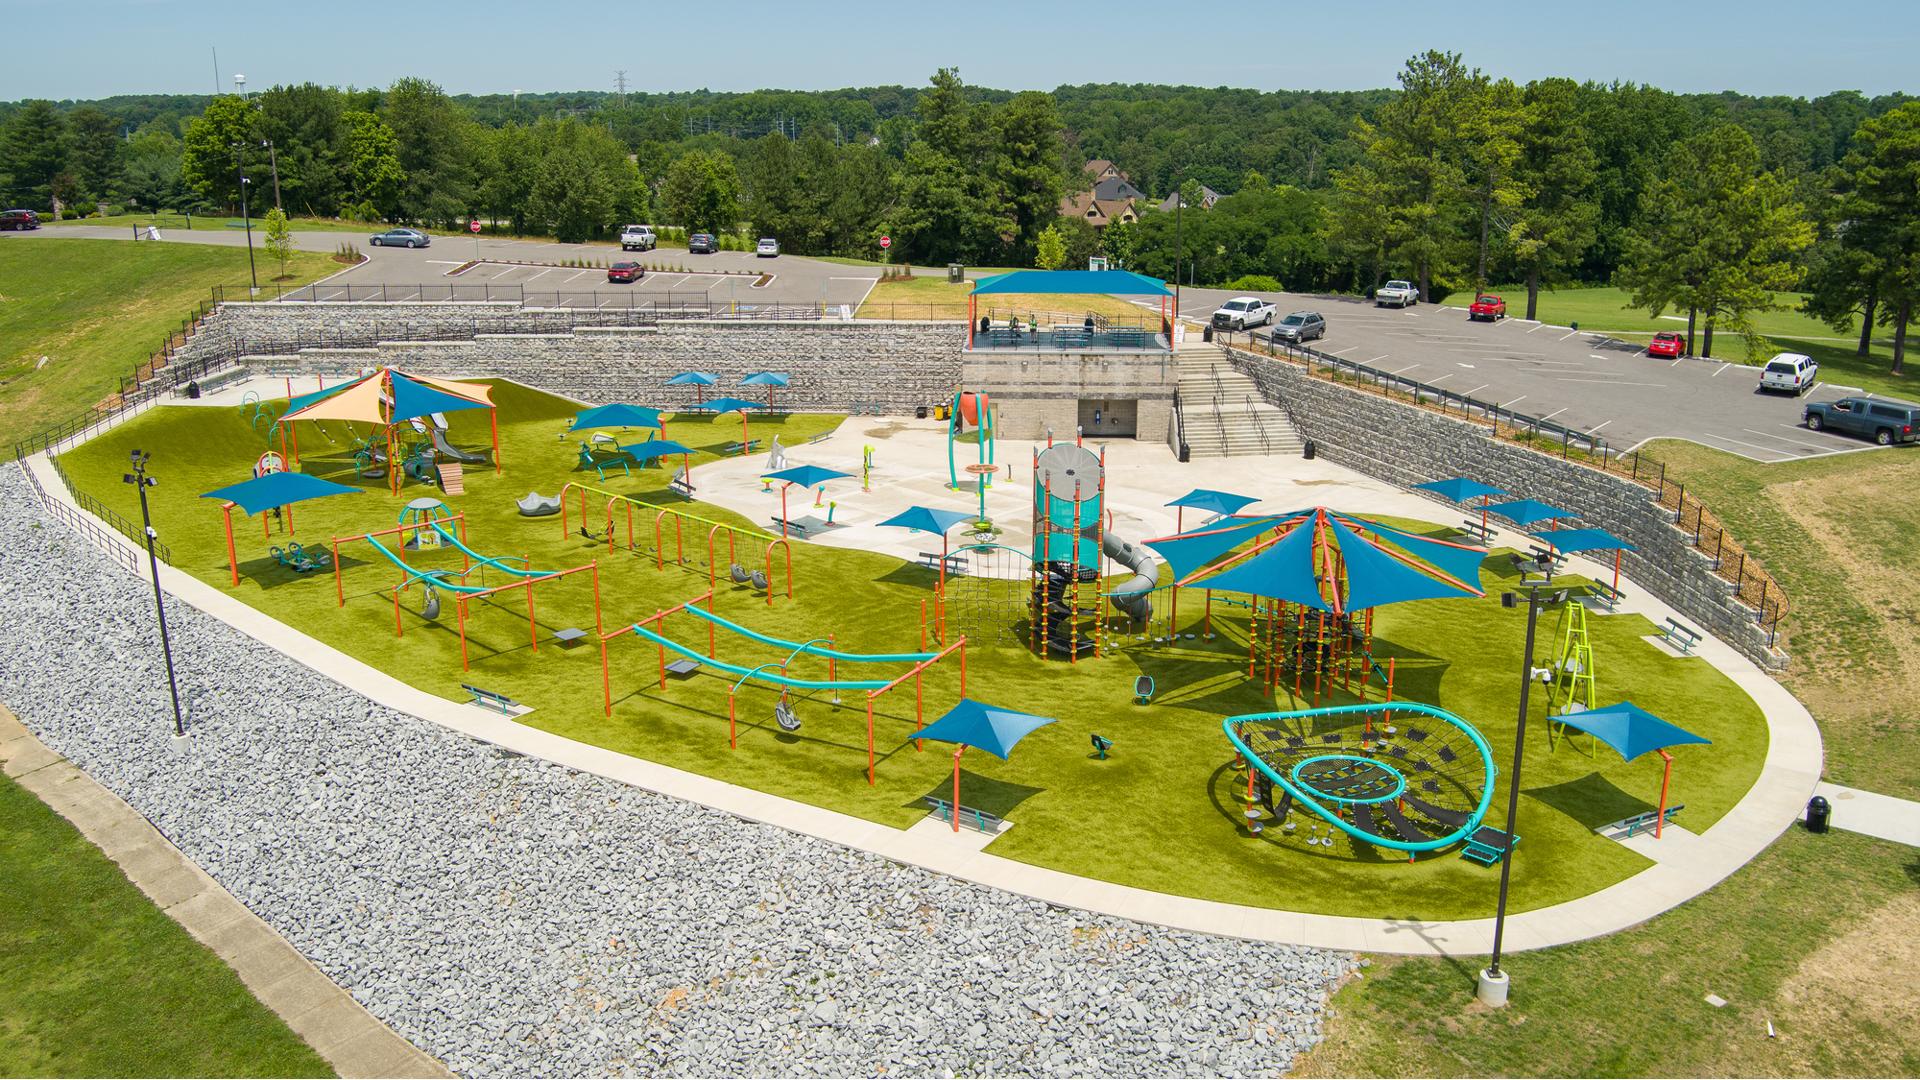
pixel 1702 204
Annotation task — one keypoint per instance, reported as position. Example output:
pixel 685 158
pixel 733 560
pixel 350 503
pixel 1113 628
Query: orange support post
pixel 233 562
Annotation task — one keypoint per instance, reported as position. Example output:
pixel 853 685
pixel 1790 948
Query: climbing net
pixel 1403 775
pixel 990 598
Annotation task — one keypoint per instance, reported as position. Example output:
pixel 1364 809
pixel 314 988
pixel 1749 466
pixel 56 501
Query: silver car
pixel 409 238
pixel 767 248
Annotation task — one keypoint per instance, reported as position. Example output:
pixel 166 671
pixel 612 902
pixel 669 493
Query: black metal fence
pixel 101 515
pixel 666 303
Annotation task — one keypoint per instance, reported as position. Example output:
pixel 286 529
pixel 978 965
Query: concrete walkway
pixel 1882 816
pixel 327 1017
pixel 913 465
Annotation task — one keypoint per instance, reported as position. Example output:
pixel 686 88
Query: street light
pixel 273 162
pixel 139 479
pixel 1493 984
pixel 240 171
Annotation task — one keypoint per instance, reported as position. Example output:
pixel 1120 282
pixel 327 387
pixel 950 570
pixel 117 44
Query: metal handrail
pixel 1259 425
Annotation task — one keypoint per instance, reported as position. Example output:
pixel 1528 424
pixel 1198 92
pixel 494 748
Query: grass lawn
pixel 1815 936
pixel 932 298
pixel 1163 803
pixel 100 982
pixel 222 222
pixel 1842 536
pixel 96 308
pixel 1605 310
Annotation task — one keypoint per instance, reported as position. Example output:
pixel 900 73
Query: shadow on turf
pixel 1592 800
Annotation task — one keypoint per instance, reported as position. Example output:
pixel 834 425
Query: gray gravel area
pixel 511 916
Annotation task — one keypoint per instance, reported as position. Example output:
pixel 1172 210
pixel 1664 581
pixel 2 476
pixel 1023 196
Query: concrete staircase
pixel 1223 414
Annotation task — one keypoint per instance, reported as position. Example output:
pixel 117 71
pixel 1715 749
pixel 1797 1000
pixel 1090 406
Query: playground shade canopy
pixel 1191 550
pixel 765 378
pixel 389 396
pixel 278 489
pixel 926 519
pixel 983 727
pixel 1103 282
pixel 807 475
pixel 1459 489
pixel 1224 503
pixel 1377 565
pixel 1569 541
pixel 728 404
pixel 1529 511
pixel 618 414
pixel 692 378
pixel 1629 729
pixel 654 448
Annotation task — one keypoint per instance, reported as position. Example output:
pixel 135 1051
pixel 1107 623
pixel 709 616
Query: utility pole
pixel 240 170
pixel 273 159
pixel 1179 249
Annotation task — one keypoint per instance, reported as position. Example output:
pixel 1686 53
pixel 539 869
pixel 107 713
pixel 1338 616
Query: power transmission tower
pixel 620 80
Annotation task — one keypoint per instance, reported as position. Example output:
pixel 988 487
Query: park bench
pixel 1682 638
pixel 1630 826
pixel 1473 528
pixel 977 820
pixel 955 563
pixel 505 704
pixel 747 447
pixel 681 484
pixel 793 528
pixel 1548 556
pixel 1531 572
pixel 600 463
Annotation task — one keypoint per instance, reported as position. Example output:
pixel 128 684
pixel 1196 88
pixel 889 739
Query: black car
pixel 701 243
pixel 19 219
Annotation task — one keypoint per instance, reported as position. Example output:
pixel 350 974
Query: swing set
pixel 664 514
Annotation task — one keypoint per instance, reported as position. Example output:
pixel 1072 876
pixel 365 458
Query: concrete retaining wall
pixel 1405 445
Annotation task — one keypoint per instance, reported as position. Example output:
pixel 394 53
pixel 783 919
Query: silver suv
pixel 1300 326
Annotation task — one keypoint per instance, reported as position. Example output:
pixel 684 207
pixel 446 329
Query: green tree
pixel 152 176
pixel 33 145
pixel 1050 250
pixel 1717 236
pixel 1490 150
pixel 214 147
pixel 432 139
pixel 1119 242
pixel 1556 219
pixel 279 238
pixel 1878 189
pixel 93 151
pixel 571 195
pixel 370 161
pixel 950 207
pixel 702 191
pixel 1024 162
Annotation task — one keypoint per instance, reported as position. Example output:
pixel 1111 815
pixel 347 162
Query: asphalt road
pixel 1589 382
pixel 1586 381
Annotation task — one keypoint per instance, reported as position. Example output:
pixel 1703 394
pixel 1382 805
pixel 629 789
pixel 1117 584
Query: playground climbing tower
pixel 1069 506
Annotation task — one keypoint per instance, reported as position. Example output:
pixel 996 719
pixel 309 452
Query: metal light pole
pixel 273 162
pixel 139 479
pixel 1179 248
pixel 1493 983
pixel 240 171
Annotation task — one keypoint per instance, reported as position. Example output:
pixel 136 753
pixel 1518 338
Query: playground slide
pixel 485 560
pixel 1130 596
pixel 764 672
pixel 439 436
pixel 431 577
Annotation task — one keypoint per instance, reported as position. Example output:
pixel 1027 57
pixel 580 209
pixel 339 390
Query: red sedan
pixel 1667 345
pixel 1489 307
pixel 623 272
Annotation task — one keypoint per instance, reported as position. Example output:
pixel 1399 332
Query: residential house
pixel 1112 198
pixel 1208 197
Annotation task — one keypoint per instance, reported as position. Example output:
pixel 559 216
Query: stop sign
pixel 474 225
pixel 886 242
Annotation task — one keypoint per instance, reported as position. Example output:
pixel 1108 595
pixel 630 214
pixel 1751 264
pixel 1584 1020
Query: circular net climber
pixel 989 598
pixel 1405 776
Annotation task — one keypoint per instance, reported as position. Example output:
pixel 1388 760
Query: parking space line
pixel 576 275
pixel 1409 367
pixel 1536 326
pixel 1476 389
pixel 1554 413
pixel 1718 370
pixel 1818 447
pixel 1343 352
pixel 508 270
pixel 1780 455
pixel 541 274
pixel 1515 401
pixel 1568 334
pixel 1777 456
pixel 1615 382
pixel 1379 358
pixel 1437 381
pixel 1602 424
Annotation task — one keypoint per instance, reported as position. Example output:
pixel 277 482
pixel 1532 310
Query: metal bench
pixel 797 528
pixel 741 448
pixel 970 817
pixel 1629 826
pixel 931 560
pixel 505 704
pixel 1682 638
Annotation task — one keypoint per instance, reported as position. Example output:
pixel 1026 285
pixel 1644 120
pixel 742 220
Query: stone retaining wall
pixel 836 366
pixel 1405 445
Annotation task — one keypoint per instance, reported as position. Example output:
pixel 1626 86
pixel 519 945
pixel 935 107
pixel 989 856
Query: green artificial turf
pixel 99 982
pixel 1159 813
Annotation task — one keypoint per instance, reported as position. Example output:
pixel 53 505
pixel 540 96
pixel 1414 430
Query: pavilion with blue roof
pixel 1094 332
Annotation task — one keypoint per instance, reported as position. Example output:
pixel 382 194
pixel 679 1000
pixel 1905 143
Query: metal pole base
pixel 180 742
pixel 1492 991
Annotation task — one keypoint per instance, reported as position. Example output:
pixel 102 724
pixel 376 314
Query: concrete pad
pixel 1881 816
pixel 10 726
pixel 208 911
pixel 183 882
pixel 24 759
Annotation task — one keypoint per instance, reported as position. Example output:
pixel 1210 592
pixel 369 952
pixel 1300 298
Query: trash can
pixel 193 390
pixel 1207 333
pixel 1819 813
pixel 956 274
pixel 1307 450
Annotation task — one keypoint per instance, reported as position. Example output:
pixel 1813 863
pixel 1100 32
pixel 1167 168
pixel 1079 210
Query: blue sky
pixel 93 48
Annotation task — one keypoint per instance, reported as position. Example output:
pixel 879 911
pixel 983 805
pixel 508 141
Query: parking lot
pixel 1590 382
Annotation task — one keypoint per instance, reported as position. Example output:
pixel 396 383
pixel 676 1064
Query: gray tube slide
pixel 1130 596
pixel 445 449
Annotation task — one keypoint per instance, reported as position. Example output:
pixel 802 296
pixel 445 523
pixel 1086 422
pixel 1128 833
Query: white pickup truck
pixel 636 238
pixel 1397 293
pixel 1242 312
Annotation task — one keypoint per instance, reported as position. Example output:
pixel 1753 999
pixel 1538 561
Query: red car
pixel 625 272
pixel 1488 307
pixel 1667 345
